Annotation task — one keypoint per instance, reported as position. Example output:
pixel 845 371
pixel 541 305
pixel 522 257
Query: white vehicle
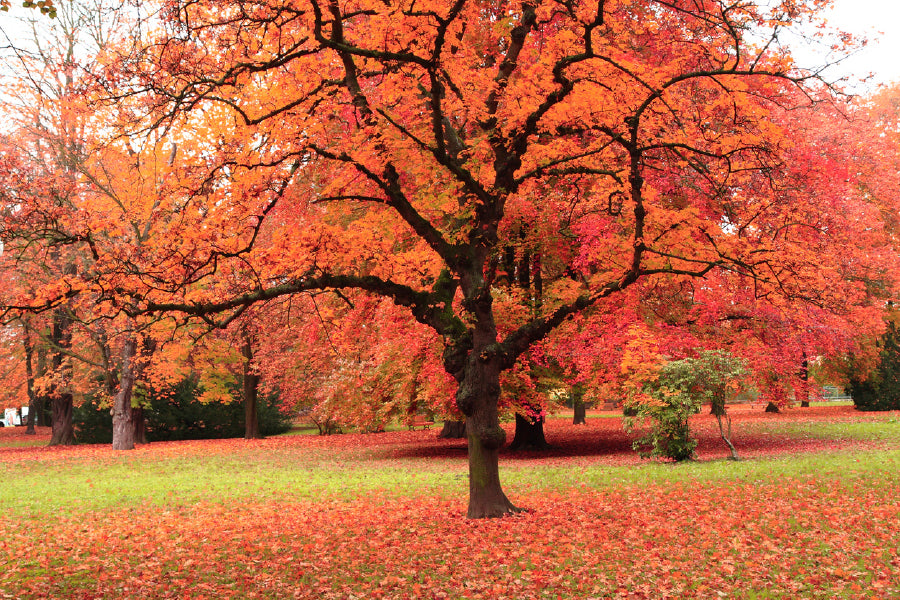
pixel 11 416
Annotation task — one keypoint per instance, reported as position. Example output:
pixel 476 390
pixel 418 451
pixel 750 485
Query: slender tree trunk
pixel 63 428
pixel 721 413
pixel 804 383
pixel 29 383
pixel 140 424
pixel 122 417
pixel 41 418
pixel 251 394
pixel 138 417
pixel 529 434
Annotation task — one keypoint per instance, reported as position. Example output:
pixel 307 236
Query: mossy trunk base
pixel 486 497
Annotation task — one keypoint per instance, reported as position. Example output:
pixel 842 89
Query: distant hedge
pixel 881 390
pixel 176 414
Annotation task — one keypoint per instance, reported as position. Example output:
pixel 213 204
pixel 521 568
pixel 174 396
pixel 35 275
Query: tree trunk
pixel 804 383
pixel 580 409
pixel 138 418
pixel 29 383
pixel 529 434
pixel 63 429
pixel 477 396
pixel 140 424
pixel 122 417
pixel 453 430
pixel 486 437
pixel 771 407
pixel 251 394
pixel 726 435
pixel 42 418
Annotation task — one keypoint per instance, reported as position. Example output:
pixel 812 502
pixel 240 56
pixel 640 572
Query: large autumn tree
pixel 402 148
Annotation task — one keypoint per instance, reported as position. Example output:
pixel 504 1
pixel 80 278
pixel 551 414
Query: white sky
pixel 877 20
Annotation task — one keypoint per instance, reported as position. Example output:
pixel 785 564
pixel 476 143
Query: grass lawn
pixel 811 512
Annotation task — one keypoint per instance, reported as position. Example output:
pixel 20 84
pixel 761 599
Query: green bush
pixel 881 390
pixel 665 404
pixel 667 434
pixel 176 414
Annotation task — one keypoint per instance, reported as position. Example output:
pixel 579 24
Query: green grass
pixel 121 480
pixel 338 518
pixel 845 466
pixel 28 444
pixel 827 430
pixel 77 485
pixel 831 403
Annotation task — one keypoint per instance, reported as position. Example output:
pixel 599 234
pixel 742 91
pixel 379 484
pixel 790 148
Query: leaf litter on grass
pixel 814 534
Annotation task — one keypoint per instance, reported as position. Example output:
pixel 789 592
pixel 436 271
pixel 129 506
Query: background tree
pixel 97 197
pixel 45 6
pixel 878 389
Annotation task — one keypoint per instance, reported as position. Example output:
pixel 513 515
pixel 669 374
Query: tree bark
pixel 771 407
pixel 804 383
pixel 140 424
pixel 722 415
pixel 529 434
pixel 138 418
pixel 453 430
pixel 29 383
pixel 41 419
pixel 62 426
pixel 251 394
pixel 123 417
pixel 580 410
pixel 63 429
pixel 486 437
pixel 477 396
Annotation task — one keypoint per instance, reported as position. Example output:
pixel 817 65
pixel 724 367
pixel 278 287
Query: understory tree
pixel 664 400
pixel 880 388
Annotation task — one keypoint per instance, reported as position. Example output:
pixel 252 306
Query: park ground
pixel 811 511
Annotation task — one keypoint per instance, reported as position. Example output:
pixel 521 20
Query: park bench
pixel 419 421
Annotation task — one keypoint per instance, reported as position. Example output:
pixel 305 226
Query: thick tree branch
pixel 430 308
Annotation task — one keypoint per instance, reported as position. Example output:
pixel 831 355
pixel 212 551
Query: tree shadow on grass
pixel 565 442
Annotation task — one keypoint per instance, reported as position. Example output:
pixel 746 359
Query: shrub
pixel 665 404
pixel 666 419
pixel 881 390
pixel 176 414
